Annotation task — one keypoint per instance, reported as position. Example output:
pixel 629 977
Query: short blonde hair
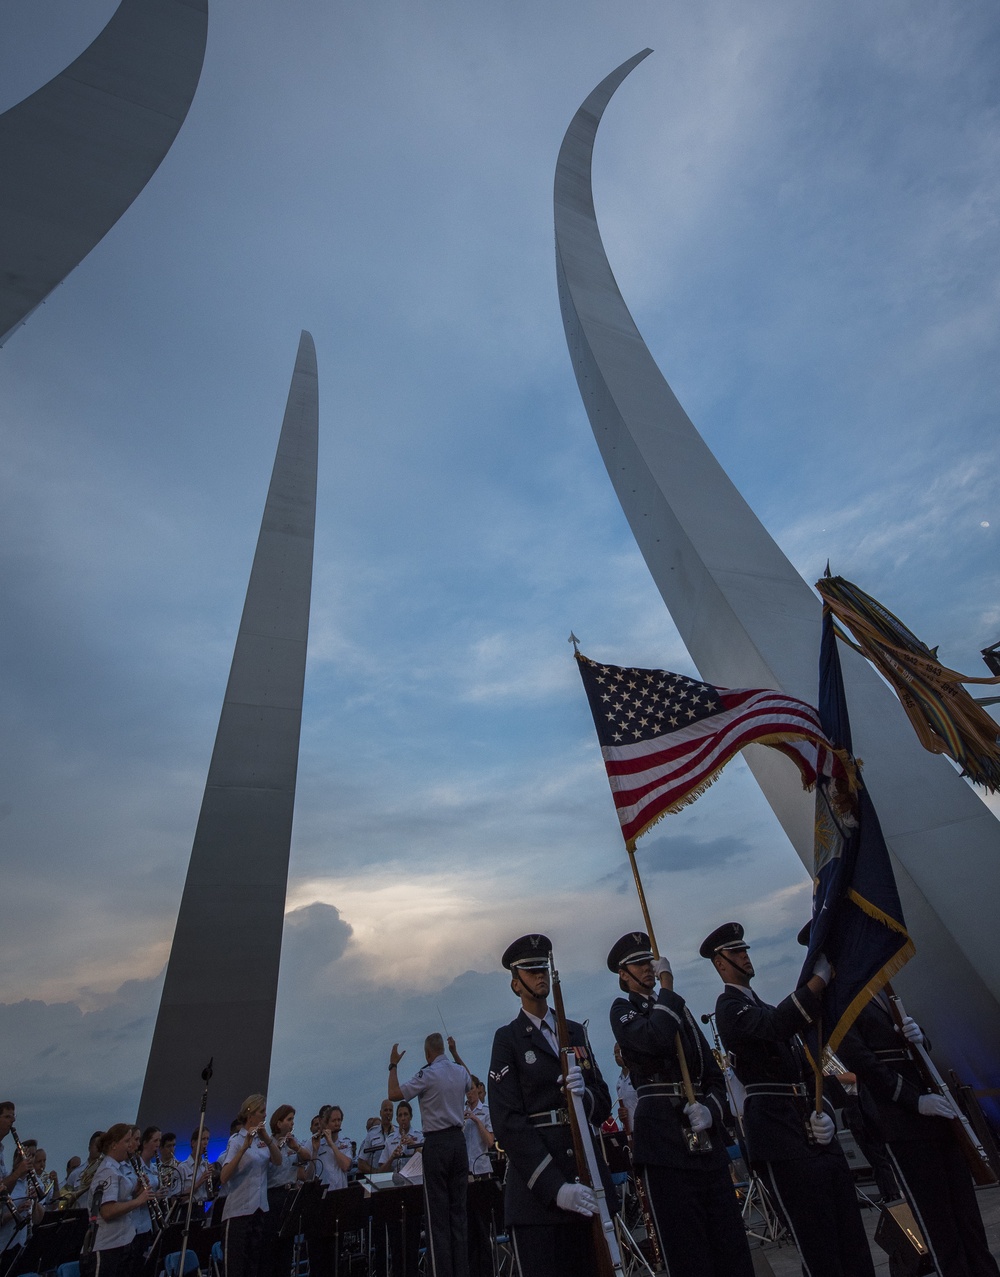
pixel 249 1104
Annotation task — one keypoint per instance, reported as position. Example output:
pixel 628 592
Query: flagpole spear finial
pixel 576 643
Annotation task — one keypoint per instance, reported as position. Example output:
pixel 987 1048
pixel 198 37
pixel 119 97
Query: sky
pixel 800 206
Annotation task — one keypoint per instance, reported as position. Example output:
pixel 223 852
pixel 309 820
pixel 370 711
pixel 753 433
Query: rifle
pixel 968 1142
pixel 606 1252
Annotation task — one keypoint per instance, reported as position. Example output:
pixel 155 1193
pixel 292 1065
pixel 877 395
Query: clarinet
pixel 156 1217
pixel 36 1185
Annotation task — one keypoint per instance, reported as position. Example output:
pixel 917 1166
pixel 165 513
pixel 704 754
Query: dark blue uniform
pixel 811 1182
pixel 691 1194
pixel 927 1161
pixel 528 1110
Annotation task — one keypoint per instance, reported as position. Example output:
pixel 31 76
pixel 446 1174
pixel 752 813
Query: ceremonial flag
pixel 666 737
pixel 857 919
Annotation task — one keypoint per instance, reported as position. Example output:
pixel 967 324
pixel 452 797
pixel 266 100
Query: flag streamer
pixel 946 718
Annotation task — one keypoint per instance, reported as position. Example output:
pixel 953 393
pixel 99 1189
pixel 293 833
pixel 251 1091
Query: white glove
pixel 823 968
pixel 911 1030
pixel 661 966
pixel 699 1116
pixel 822 1126
pixel 935 1106
pixel 577 1197
pixel 575 1084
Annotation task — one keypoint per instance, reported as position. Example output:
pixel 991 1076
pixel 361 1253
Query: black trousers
pixel 242 1241
pixel 698 1221
pixel 114 1262
pixel 446 1186
pixel 563 1251
pixel 938 1186
pixel 817 1197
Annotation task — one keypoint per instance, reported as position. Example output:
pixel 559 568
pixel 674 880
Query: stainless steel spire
pixel 222 978
pixel 749 620
pixel 76 153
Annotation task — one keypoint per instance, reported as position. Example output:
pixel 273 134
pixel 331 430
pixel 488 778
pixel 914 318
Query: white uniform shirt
pixel 627 1095
pixel 6 1222
pixel 392 1143
pixel 248 1183
pixel 475 1145
pixel 24 1205
pixel 143 1221
pixel 374 1144
pixel 114 1186
pixel 440 1087
pixel 327 1170
pixel 185 1169
pixel 287 1173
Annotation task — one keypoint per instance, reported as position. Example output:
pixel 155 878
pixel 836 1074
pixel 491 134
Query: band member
pixel 373 1146
pixel 22 1209
pixel 479 1137
pixel 791 1146
pixel 244 1169
pixel 403 1142
pixel 678 1147
pixel 278 1251
pixel 332 1151
pixel 147 1175
pixel 198 1165
pixel 625 1090
pixel 78 1181
pixel 916 1126
pixel 115 1198
pixel 294 1156
pixel 545 1208
pixel 440 1086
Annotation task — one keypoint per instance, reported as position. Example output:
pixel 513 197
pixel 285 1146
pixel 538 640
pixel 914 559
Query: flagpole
pixel 681 1057
pixel 818 1064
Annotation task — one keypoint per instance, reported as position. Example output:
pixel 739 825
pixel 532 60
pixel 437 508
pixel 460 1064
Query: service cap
pixel 527 953
pixel 728 936
pixel 803 936
pixel 634 947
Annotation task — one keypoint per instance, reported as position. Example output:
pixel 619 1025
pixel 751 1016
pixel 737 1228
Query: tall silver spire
pixel 749 620
pixel 222 977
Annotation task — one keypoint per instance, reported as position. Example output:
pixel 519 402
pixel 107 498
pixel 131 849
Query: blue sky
pixel 800 204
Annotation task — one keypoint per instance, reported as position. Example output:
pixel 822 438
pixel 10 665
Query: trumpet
pixel 34 1183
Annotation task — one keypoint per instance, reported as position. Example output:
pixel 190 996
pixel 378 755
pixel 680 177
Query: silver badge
pixel 530 1057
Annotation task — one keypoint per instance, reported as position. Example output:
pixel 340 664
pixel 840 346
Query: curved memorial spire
pixel 76 153
pixel 749 620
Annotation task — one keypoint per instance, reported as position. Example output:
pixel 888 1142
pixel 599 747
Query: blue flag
pixel 857 919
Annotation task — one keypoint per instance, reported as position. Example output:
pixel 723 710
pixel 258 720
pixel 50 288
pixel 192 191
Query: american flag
pixel 666 737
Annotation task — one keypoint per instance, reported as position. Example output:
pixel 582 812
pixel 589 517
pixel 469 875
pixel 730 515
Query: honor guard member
pixel 678 1148
pixel 792 1147
pixel 440 1087
pixel 545 1208
pixel 916 1126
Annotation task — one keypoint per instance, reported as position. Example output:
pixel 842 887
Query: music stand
pixel 326 1220
pixel 55 1241
pixel 397 1212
